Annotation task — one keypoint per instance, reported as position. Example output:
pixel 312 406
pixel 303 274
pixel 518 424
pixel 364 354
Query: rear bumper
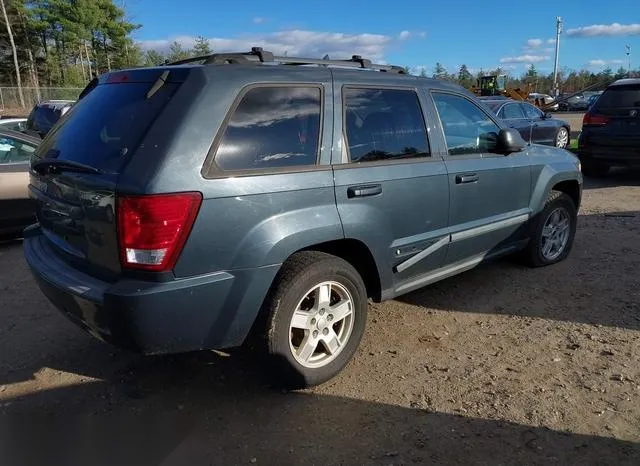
pixel 610 154
pixel 204 312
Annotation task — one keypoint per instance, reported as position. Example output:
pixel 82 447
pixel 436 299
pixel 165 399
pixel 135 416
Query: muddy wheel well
pixel 570 188
pixel 359 256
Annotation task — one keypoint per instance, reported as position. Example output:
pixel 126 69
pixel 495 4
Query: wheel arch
pixel 356 253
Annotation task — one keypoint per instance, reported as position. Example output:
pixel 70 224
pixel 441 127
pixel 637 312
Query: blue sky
pixel 405 32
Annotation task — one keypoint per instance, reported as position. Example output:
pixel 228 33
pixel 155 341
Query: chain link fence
pixel 10 97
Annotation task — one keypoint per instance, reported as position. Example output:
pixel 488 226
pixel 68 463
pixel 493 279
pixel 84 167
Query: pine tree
pixel 201 47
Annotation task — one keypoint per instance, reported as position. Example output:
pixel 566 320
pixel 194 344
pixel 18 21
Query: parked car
pixel 545 100
pixel 13 124
pixel 192 206
pixel 16 209
pixel 572 102
pixel 533 124
pixel 593 97
pixel 44 115
pixel 611 129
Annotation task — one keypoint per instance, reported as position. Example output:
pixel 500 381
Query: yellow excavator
pixel 495 85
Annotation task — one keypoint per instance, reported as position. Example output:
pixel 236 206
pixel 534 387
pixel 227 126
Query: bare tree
pixel 14 50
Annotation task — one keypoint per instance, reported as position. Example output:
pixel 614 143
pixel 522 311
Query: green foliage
pixel 59 41
pixel 201 47
pixel 465 78
pixel 153 58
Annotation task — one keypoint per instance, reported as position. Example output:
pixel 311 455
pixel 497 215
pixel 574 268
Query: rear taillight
pixel 152 229
pixel 593 119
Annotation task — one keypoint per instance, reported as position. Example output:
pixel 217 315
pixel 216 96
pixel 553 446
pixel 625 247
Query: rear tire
pixel 553 232
pixel 315 315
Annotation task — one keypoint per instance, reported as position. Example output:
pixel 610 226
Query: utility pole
pixel 555 66
pixel 628 47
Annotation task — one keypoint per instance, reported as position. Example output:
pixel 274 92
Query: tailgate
pixel 75 171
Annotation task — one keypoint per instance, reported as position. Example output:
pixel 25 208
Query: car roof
pixel 625 82
pixel 356 68
pixel 18 135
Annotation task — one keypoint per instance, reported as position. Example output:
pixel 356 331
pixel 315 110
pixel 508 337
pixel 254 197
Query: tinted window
pixel 42 119
pixel 467 129
pixel 105 127
pixel 383 124
pixel 14 151
pixel 272 127
pixel 511 111
pixel 620 97
pixel 532 112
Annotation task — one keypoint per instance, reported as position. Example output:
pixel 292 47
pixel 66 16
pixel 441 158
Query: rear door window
pixel 511 112
pixel 532 112
pixel 104 128
pixel 383 124
pixel 272 127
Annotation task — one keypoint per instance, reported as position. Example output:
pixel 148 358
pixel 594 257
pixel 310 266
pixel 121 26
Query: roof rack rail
pixel 257 56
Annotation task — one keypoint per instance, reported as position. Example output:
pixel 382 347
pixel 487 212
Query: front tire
pixel 316 314
pixel 553 231
pixel 562 138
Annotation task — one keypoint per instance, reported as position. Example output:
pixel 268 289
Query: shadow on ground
pixel 209 410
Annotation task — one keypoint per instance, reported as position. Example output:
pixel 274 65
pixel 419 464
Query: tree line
pixel 568 80
pixel 65 43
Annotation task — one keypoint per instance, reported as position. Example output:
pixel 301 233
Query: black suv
pixel 182 206
pixel 46 114
pixel 611 129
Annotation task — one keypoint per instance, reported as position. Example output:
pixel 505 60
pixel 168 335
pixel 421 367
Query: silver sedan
pixel 16 209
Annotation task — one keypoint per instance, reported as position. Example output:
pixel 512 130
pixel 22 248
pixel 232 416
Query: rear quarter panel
pixel 246 220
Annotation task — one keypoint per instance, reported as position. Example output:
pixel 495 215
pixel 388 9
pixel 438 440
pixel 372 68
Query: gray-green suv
pixel 188 206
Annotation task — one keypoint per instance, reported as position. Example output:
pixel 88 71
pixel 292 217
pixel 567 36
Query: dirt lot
pixel 501 365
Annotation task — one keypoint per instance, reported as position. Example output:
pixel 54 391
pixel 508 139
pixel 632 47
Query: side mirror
pixel 509 141
pixel 546 116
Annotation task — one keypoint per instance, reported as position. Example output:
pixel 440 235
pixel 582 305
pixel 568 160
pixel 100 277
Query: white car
pixel 546 98
pixel 13 124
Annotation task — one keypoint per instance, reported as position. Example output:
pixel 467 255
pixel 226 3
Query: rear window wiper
pixel 56 166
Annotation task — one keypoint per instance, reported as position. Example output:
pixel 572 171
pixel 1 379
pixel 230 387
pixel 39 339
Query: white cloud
pixel 551 41
pixel 598 62
pixel 534 43
pixel 297 42
pixel 525 59
pixel 404 35
pixel 605 30
pixel 422 34
pixel 259 20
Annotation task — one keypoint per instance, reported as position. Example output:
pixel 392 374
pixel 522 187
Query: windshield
pixel 105 127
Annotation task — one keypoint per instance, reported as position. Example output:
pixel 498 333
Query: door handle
pixel 472 178
pixel 364 191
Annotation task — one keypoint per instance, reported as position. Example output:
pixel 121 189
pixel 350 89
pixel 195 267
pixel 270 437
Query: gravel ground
pixel 501 365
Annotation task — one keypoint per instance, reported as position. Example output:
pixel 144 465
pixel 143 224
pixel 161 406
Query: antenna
pixel 628 47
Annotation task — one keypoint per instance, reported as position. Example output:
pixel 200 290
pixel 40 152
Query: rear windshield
pixel 42 118
pixel 620 97
pixel 106 126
